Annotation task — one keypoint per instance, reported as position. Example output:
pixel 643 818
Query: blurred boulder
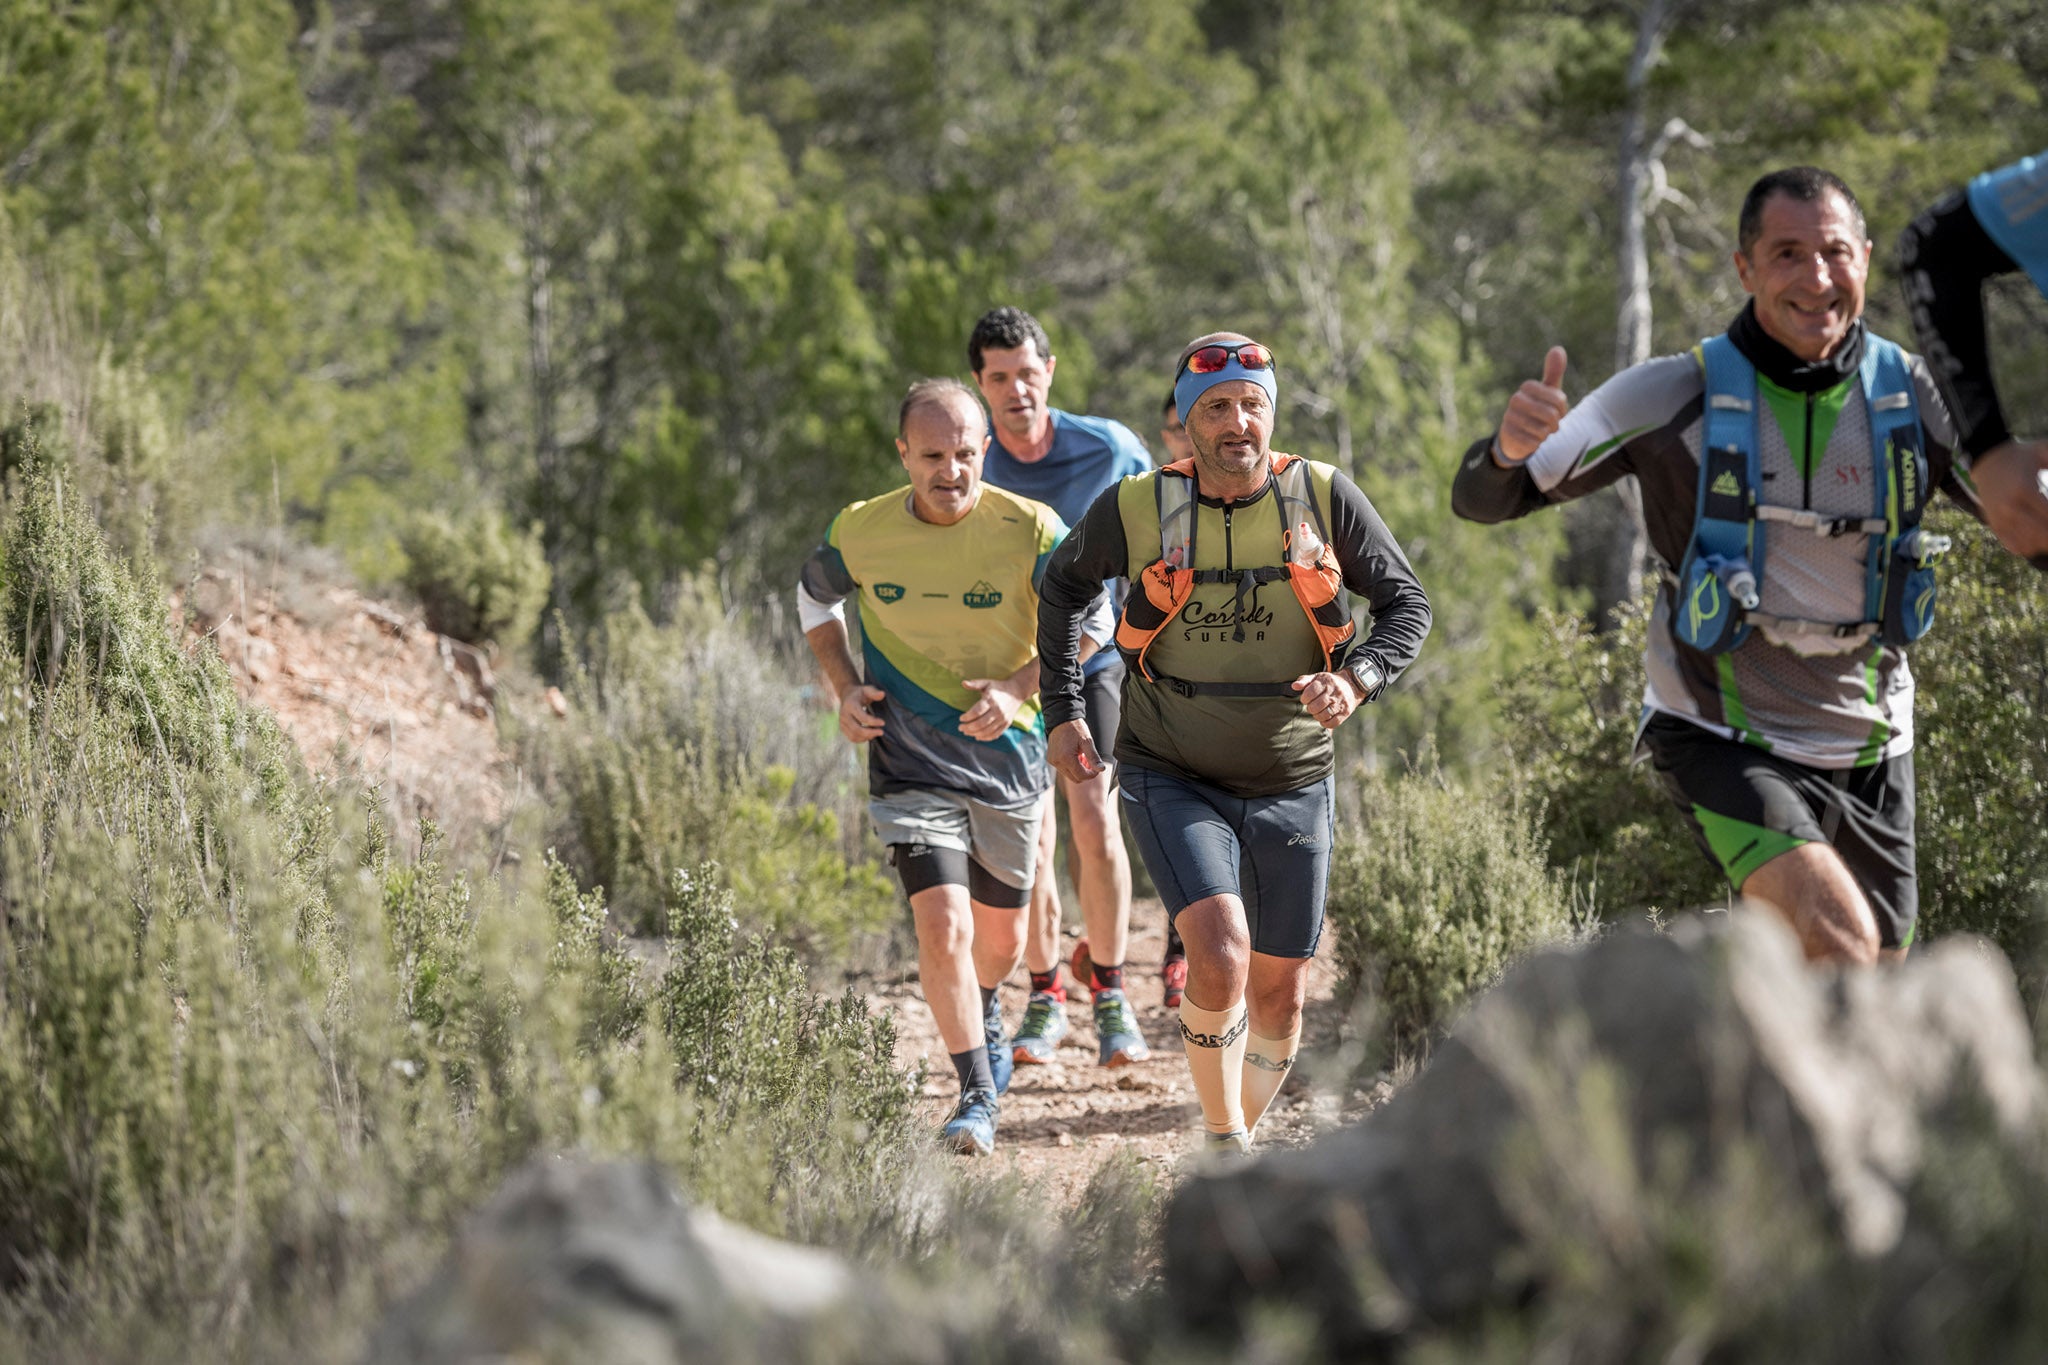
pixel 1596 1082
pixel 579 1260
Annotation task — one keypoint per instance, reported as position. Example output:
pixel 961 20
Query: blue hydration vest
pixel 1716 586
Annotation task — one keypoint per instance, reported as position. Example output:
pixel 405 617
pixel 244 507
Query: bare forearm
pixel 834 652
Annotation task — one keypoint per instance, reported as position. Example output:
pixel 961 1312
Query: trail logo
pixel 981 595
pixel 890 592
pixel 1726 486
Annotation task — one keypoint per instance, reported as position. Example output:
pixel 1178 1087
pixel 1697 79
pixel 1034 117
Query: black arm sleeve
pixel 1377 571
pixel 1093 551
pixel 1944 257
pixel 1484 492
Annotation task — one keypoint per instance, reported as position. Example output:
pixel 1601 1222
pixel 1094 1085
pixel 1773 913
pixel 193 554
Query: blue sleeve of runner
pixel 2012 204
pixel 1131 455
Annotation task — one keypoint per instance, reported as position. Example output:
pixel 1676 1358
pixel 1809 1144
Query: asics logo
pixel 1211 1039
pixel 1253 1059
pixel 1301 841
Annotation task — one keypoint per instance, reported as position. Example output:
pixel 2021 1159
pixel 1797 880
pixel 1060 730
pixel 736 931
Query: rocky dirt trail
pixel 1062 1120
pixel 364 689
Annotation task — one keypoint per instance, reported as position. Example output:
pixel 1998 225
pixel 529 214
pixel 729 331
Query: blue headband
pixel 1191 386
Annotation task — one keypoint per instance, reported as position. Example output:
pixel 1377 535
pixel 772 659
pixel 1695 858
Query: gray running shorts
pixel 1004 842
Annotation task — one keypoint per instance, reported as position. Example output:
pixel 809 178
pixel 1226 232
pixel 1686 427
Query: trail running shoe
pixel 1173 974
pixel 999 1063
pixel 972 1129
pixel 1045 1023
pixel 1116 1030
pixel 1082 968
pixel 1226 1146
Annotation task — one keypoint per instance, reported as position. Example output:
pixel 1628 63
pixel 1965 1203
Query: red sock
pixel 1048 983
pixel 1106 978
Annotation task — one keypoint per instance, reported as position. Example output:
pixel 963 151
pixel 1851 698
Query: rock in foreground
pixel 604 1261
pixel 1594 1083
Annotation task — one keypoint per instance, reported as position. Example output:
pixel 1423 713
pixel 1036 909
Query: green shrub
pixel 1981 748
pixel 477 578
pixel 256 1061
pixel 694 742
pixel 1435 887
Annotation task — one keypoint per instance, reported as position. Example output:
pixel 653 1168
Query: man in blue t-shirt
pixel 1064 461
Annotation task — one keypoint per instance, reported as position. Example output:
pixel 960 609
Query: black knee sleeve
pixel 983 886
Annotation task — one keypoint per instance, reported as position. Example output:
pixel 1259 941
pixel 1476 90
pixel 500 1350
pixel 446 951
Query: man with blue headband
pixel 1241 656
pixel 1997 225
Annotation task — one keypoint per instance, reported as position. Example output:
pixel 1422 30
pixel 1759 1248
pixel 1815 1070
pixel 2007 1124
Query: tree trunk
pixel 1609 549
pixel 529 174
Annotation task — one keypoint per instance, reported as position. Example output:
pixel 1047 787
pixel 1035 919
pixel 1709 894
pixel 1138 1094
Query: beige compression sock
pixel 1266 1064
pixel 1214 1040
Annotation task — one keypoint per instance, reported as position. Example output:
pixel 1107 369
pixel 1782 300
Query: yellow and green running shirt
pixel 938 605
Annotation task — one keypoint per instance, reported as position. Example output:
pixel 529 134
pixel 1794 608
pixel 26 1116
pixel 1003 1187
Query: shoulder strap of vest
pixel 1730 466
pixel 1173 489
pixel 1294 492
pixel 1898 459
pixel 1895 434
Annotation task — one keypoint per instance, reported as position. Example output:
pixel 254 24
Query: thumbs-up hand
pixel 1536 410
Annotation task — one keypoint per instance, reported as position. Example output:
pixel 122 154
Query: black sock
pixel 1107 978
pixel 988 994
pixel 1044 983
pixel 972 1066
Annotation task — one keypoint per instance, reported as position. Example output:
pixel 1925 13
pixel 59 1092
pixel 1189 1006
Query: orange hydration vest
pixel 1309 566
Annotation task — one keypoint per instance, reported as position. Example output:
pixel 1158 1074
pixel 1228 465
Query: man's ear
pixel 1742 272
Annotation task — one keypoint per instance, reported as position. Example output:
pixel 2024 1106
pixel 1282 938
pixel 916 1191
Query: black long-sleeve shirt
pixel 1945 256
pixel 1248 746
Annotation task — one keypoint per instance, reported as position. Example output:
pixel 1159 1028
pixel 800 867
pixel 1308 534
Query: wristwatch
pixel 1366 674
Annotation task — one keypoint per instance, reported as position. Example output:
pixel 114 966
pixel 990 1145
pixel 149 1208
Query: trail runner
pixel 946 573
pixel 1241 657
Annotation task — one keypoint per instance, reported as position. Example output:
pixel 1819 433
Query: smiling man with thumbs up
pixel 1784 467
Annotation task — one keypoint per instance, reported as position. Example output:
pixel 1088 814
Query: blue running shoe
pixel 1000 1063
pixel 1116 1030
pixel 972 1129
pixel 1231 1146
pixel 1045 1023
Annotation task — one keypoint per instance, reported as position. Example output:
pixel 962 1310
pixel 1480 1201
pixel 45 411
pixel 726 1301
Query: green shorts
pixel 1747 806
